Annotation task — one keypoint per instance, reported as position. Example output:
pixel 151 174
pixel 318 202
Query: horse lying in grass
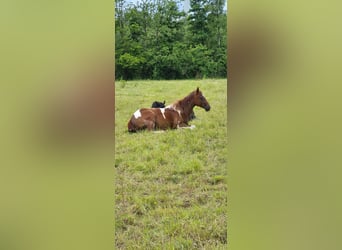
pixel 157 104
pixel 173 116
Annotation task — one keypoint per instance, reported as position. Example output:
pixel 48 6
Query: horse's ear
pixel 197 90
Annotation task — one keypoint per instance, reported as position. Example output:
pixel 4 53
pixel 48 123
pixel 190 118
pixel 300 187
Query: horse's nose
pixel 207 108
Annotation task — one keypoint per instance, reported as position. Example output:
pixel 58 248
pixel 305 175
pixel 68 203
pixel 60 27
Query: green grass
pixel 170 188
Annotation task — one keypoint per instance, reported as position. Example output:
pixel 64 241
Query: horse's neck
pixel 186 107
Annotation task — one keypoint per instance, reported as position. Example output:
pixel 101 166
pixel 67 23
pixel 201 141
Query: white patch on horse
pixel 179 112
pixel 172 106
pixel 162 110
pixel 137 114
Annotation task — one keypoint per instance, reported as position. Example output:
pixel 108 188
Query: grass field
pixel 170 188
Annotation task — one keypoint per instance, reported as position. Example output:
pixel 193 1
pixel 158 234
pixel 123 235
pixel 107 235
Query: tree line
pixel 155 39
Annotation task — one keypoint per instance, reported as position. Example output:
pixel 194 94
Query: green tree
pixel 154 39
pixel 198 23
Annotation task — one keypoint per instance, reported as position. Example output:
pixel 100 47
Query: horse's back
pixel 153 118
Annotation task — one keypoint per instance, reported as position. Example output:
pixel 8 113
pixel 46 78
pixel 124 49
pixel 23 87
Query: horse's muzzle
pixel 207 108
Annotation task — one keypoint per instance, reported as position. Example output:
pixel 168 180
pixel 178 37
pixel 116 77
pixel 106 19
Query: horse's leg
pixel 188 127
pixel 150 125
pixel 159 131
pixel 185 125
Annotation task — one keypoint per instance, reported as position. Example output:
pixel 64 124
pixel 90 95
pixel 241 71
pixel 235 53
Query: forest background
pixel 162 39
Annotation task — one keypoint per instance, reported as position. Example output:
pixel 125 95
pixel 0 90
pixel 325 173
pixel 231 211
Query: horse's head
pixel 199 100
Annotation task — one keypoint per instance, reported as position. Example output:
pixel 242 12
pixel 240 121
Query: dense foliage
pixel 155 39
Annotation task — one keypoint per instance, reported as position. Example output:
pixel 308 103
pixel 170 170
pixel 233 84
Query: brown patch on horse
pixel 154 118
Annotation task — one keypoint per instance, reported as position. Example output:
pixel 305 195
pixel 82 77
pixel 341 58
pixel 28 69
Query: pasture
pixel 170 188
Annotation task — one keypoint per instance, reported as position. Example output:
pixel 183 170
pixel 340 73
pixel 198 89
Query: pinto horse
pixel 173 116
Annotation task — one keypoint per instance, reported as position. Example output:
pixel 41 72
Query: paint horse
pixel 157 104
pixel 173 116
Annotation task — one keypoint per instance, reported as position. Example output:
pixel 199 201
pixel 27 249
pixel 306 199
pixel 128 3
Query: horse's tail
pixel 131 127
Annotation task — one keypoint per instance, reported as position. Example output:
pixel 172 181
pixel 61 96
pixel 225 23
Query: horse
pixel 173 116
pixel 157 104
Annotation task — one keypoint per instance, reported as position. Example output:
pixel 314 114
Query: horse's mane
pixel 184 100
